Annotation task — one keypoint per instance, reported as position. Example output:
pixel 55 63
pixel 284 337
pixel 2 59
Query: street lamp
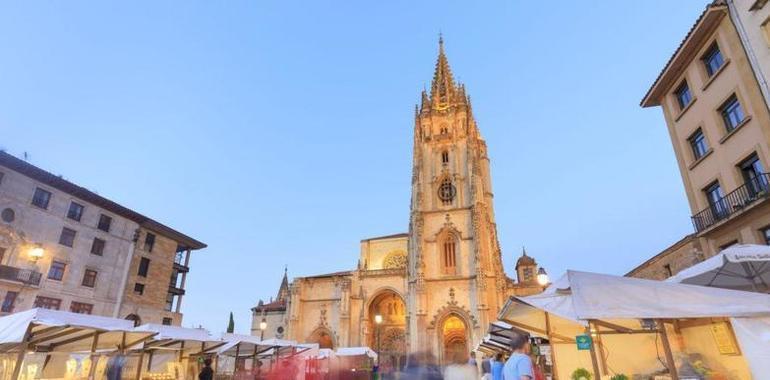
pixel 36 253
pixel 542 277
pixel 262 328
pixel 378 321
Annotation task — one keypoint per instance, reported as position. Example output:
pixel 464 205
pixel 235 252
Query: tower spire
pixel 442 89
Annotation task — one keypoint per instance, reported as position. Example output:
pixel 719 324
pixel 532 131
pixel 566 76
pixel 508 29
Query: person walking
pixel 519 365
pixel 206 373
pixel 497 367
pixel 486 368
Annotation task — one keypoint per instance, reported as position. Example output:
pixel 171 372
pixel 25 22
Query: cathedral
pixel 435 288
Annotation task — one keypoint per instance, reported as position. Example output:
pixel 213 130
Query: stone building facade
pixel 719 123
pixel 64 247
pixel 436 287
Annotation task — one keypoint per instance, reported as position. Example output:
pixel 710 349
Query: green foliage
pixel 231 324
pixel 619 376
pixel 581 374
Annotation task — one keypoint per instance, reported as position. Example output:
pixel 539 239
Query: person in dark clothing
pixel 206 373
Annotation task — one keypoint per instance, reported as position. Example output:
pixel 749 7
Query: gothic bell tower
pixel 455 267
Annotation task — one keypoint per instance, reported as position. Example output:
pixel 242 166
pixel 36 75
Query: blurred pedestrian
pixel 206 373
pixel 519 365
pixel 497 367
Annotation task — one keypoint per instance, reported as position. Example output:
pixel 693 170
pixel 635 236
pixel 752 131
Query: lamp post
pixel 262 328
pixel 36 253
pixel 378 322
pixel 542 277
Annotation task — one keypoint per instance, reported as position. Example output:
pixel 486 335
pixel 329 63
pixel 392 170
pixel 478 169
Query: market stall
pixel 354 362
pixel 52 344
pixel 174 352
pixel 247 355
pixel 739 267
pixel 605 325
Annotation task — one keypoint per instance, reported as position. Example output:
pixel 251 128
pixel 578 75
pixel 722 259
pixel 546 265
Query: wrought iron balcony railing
pixel 25 276
pixel 739 199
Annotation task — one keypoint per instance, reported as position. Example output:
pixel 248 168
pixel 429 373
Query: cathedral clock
pixel 447 191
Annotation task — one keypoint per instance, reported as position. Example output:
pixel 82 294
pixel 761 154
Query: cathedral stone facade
pixel 436 287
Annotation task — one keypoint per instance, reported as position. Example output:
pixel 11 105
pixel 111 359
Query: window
pixel 446 192
pixel 47 303
pixel 67 237
pixel 714 196
pixel 713 60
pixel 444 157
pixel 698 144
pixel 450 257
pixel 89 278
pixel 75 211
pixel 81 308
pixel 668 270
pixel 41 198
pixel 149 242
pixel 97 247
pixel 728 245
pixel 104 223
pixel 9 302
pixel 56 271
pixel 732 113
pixel 144 267
pixel 529 274
pixel 754 175
pixel 170 297
pixel 167 321
pixel 8 215
pixel 139 288
pixel 683 96
pixel 766 234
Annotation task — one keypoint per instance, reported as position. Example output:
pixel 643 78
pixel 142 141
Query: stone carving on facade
pixel 395 260
pixel 447 309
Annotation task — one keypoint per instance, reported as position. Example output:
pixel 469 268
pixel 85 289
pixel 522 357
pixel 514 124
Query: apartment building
pixel 64 247
pixel 719 123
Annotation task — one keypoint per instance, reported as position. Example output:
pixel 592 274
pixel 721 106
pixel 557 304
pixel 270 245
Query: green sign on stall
pixel 583 342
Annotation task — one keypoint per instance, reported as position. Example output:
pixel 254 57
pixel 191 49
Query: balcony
pixel 752 192
pixel 24 276
pixel 175 291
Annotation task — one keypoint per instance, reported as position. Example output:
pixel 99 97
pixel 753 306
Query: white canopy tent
pixel 356 351
pixel 61 332
pixel 171 345
pixel 739 267
pixel 608 307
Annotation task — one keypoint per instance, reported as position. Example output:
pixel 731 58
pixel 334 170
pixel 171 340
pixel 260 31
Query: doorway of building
pixel 389 337
pixel 454 340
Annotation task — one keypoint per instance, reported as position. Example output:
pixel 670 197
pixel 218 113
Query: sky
pixel 280 132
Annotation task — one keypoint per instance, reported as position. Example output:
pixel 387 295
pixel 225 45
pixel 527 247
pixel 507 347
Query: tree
pixel 231 324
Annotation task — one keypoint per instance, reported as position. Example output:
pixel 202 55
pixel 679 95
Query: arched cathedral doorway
pixel 389 337
pixel 323 337
pixel 454 340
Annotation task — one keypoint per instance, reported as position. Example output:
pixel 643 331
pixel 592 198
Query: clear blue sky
pixel 280 132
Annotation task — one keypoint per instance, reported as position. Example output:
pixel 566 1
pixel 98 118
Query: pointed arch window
pixel 449 254
pixel 445 157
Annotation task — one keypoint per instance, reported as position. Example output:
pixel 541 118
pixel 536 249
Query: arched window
pixel 445 157
pixel 449 258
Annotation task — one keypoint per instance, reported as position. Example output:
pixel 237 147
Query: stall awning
pixel 54 330
pixel 356 351
pixel 580 296
pixel 179 338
